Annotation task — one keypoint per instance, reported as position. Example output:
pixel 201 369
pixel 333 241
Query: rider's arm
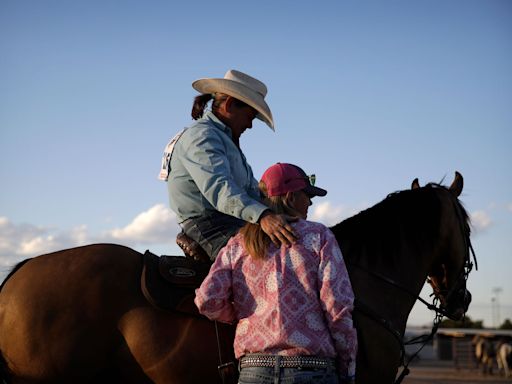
pixel 205 158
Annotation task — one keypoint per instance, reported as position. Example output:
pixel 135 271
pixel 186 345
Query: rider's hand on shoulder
pixel 278 227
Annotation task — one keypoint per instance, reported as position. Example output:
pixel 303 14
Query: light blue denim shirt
pixel 208 172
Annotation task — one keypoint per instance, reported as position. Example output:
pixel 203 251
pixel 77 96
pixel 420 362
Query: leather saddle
pixel 169 282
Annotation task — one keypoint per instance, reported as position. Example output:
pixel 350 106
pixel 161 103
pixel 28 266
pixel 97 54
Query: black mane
pixel 414 213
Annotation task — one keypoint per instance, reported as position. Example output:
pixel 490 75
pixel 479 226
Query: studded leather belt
pixel 257 360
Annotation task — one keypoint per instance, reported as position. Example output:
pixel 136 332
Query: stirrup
pixel 191 248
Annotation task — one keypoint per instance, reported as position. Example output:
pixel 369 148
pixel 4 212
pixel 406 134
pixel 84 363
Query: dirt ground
pixel 436 372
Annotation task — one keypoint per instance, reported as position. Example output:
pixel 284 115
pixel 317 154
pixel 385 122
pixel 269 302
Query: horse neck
pixel 391 240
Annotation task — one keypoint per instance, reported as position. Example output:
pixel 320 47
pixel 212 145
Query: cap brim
pixel 315 191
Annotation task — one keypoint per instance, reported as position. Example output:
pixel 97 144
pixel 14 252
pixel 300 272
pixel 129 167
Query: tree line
pixel 467 322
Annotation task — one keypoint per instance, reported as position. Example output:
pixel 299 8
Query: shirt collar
pixel 219 124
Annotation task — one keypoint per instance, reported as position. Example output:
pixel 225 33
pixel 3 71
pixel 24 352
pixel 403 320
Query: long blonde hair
pixel 256 241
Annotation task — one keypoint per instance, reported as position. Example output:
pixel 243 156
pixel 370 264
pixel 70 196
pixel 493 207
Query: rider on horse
pixel 211 186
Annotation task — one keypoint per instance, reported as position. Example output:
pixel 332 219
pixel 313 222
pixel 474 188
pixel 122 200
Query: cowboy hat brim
pixel 238 91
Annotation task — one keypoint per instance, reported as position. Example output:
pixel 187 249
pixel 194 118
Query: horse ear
pixel 457 185
pixel 415 184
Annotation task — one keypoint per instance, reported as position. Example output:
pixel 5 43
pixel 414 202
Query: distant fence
pixel 455 344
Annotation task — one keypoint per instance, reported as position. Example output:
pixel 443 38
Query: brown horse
pixel 78 315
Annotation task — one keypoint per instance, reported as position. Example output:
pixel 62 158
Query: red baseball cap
pixel 281 178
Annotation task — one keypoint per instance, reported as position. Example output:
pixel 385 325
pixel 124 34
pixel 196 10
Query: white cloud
pixel 18 241
pixel 330 215
pixel 480 221
pixel 156 225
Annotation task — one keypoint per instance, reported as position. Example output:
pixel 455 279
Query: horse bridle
pixel 457 287
pixel 464 274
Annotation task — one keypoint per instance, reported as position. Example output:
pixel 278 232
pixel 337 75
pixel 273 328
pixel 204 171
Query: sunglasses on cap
pixel 310 178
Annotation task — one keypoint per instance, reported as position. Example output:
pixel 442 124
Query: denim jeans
pixel 266 375
pixel 212 231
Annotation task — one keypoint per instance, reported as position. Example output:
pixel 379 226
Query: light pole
pixel 496 306
pixel 493 311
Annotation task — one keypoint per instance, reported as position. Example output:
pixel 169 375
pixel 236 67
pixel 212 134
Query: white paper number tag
pixel 165 169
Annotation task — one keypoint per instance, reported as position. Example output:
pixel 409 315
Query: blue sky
pixel 367 95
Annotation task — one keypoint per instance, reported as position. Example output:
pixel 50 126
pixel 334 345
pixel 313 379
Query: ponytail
pixel 200 104
pixel 256 241
pixel 218 98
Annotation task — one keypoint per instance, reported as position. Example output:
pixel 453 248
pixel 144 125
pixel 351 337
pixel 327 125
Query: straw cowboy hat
pixel 242 87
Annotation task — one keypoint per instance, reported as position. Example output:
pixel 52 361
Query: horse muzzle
pixel 458 305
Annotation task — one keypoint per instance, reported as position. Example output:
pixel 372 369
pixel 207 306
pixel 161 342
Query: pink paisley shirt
pixel 297 301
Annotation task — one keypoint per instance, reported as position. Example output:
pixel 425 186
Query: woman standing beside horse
pixel 293 304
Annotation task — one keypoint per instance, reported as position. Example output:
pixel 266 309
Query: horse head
pixel 449 272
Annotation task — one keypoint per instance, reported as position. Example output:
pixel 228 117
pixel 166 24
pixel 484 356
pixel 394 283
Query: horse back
pixel 68 271
pixel 60 299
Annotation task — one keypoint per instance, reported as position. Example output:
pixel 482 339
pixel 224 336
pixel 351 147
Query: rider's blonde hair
pixel 256 241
